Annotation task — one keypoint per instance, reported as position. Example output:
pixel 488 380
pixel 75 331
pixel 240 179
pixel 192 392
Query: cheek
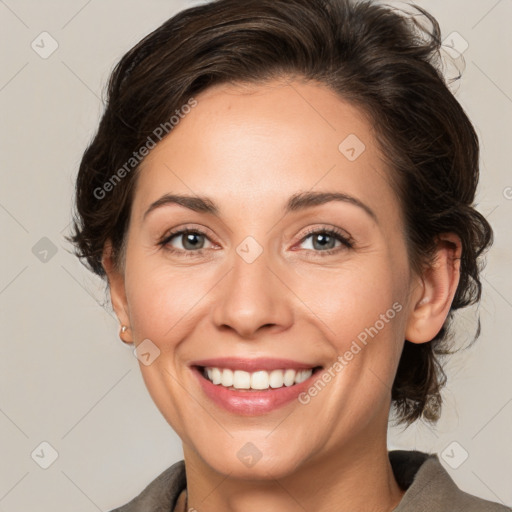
pixel 359 309
pixel 350 298
pixel 161 299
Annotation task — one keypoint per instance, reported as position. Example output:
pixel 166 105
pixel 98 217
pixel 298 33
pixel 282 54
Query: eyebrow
pixel 296 202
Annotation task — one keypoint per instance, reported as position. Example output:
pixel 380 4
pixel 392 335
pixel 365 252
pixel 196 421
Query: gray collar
pixel 428 486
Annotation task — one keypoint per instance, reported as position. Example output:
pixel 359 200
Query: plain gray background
pixel 65 377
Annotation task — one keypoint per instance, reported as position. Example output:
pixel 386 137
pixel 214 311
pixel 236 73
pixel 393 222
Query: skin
pixel 249 148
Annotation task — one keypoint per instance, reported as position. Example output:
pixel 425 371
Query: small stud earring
pixel 123 330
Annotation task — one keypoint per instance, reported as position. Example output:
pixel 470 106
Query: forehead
pixel 244 144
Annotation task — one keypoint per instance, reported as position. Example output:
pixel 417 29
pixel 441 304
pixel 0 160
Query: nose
pixel 253 297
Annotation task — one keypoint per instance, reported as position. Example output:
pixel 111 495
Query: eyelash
pixel 347 242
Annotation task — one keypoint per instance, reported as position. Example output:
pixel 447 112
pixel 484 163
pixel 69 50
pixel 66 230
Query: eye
pixel 192 241
pixel 324 241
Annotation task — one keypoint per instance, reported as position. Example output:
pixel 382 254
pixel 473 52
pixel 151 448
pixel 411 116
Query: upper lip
pixel 253 364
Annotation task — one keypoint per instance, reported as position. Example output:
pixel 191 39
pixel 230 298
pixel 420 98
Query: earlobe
pixel 117 293
pixel 440 280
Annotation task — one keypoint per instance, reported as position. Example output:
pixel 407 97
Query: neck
pixel 356 476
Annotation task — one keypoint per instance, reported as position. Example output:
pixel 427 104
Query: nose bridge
pixel 251 295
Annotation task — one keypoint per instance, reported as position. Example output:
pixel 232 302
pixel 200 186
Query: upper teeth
pixel 261 379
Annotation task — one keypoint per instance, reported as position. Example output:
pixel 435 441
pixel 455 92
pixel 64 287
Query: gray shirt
pixel 428 486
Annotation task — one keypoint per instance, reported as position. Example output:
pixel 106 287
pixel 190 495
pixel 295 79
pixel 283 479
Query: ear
pixel 117 291
pixel 431 304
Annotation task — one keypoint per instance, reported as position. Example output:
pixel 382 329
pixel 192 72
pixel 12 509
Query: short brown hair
pixel 373 56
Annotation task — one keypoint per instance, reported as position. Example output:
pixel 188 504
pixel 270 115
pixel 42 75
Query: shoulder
pixel 161 494
pixel 430 488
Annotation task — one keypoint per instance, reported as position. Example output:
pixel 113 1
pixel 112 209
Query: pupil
pixel 324 238
pixel 189 239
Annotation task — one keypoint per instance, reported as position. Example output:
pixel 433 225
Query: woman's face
pixel 264 279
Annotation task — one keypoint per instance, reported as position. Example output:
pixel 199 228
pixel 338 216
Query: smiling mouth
pixel 261 380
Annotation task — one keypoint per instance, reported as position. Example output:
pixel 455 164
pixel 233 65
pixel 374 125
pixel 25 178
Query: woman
pixel 280 196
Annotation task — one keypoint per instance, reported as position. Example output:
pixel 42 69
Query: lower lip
pixel 252 403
